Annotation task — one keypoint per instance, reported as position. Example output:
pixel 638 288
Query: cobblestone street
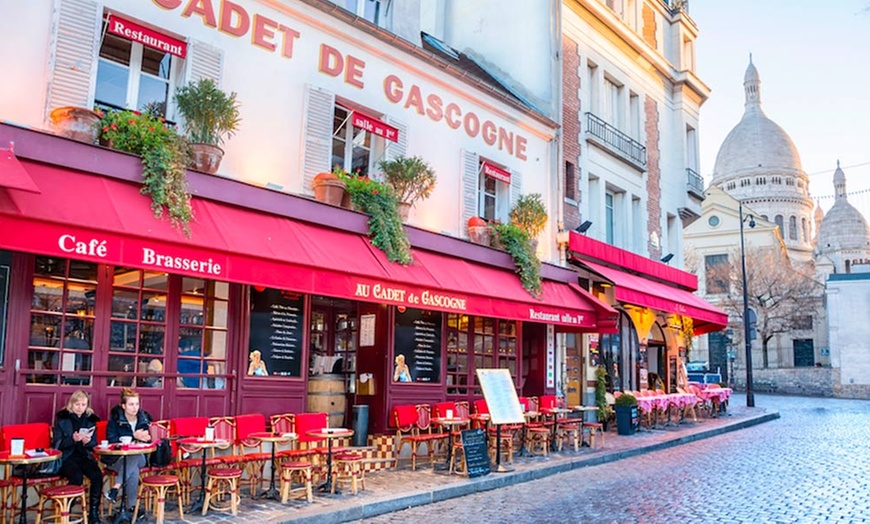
pixel 811 465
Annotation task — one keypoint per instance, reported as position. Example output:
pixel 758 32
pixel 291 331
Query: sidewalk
pixel 393 490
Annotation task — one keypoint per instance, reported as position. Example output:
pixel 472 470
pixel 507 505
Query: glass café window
pixel 202 340
pixel 457 354
pixel 493 197
pixel 138 327
pixel 132 76
pixel 62 321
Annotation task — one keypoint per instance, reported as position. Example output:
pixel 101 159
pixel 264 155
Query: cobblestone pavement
pixel 517 497
pixel 811 465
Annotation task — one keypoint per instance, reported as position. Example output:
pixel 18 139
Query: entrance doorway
pixel 332 358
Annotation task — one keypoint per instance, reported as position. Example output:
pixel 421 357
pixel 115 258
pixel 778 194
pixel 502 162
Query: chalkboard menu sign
pixel 275 344
pixel 418 343
pixel 476 453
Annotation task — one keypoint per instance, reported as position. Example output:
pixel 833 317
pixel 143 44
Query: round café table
pixel 584 410
pixel 556 412
pixel 452 424
pixel 275 439
pixel 29 458
pixel 203 444
pixel 329 434
pixel 124 451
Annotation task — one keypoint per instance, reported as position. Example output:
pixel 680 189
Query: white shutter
pixel 203 61
pixel 470 188
pixel 516 187
pixel 400 147
pixel 74 49
pixel 317 128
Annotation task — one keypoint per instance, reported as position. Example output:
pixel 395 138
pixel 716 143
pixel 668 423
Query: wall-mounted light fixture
pixel 667 258
pixel 582 228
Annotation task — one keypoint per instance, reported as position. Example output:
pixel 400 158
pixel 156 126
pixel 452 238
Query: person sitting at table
pixel 655 382
pixel 75 437
pixel 127 420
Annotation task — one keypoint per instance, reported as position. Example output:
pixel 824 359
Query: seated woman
pixel 127 420
pixel 75 436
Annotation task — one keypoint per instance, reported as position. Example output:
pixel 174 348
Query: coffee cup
pixel 448 413
pixel 126 440
pixel 104 443
pixel 209 433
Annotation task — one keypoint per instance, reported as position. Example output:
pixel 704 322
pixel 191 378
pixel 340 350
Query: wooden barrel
pixel 326 394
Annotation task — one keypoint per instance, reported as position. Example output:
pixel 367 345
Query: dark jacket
pixel 66 423
pixel 119 427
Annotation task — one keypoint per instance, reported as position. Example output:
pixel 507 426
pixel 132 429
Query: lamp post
pixel 750 396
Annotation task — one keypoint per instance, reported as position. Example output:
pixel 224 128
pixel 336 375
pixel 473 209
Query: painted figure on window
pixel 402 373
pixel 257 367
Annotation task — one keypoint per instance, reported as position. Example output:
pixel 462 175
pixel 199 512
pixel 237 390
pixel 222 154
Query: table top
pixel 329 433
pixel 50 454
pixel 265 436
pixel 202 442
pixel 455 421
pixel 584 408
pixel 558 410
pixel 126 449
pixel 479 416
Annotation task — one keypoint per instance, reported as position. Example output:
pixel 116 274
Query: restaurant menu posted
pixel 418 339
pixel 277 324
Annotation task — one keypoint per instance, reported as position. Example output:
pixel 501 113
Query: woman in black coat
pixel 127 420
pixel 75 437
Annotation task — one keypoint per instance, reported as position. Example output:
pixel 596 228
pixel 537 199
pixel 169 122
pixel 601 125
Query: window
pixel 745 182
pixel 634 114
pixel 789 181
pixel 354 150
pixel 805 229
pixel 132 76
pixel 792 228
pixel 779 223
pixel 375 11
pixel 776 180
pixel 731 186
pixel 716 272
pixel 570 182
pixel 760 181
pixel 594 101
pixel 493 197
pixel 713 221
pixel 688 54
pixel 202 339
pixel 612 109
pixel 692 149
pixel 471 344
pixel 608 217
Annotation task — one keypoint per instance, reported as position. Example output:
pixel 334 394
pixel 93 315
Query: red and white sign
pixel 147 37
pixel 373 125
pixel 496 172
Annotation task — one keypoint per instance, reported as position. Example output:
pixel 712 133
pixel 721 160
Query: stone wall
pixel 810 382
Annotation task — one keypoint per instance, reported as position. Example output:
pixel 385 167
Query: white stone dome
pixel 844 228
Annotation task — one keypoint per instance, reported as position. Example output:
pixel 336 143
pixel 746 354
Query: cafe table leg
pixel 123 514
pixel 326 487
pixel 271 493
pixel 197 506
pixel 23 518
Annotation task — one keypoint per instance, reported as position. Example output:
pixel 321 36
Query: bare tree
pixel 780 295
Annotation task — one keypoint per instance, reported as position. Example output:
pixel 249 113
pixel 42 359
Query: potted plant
pixel 513 239
pixel 478 231
pixel 329 187
pixel 530 214
pixel 411 179
pixel 627 417
pixel 164 159
pixel 78 123
pixel 210 115
pixel 385 226
pixel 601 396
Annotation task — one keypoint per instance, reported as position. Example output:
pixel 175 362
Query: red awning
pixel 633 289
pixel 109 221
pixel 13 174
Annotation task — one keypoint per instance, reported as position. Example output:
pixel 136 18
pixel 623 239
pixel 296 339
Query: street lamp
pixel 750 396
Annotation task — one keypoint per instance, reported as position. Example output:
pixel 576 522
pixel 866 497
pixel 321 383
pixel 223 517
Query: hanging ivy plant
pixel 385 225
pixel 513 239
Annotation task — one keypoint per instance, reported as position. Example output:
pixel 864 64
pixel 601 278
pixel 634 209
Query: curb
pixel 491 482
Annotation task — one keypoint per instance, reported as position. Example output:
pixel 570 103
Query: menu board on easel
pixel 277 323
pixel 418 341
pixel 501 396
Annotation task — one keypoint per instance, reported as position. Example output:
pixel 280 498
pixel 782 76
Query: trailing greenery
pixel 626 399
pixel 411 178
pixel 513 239
pixel 530 214
pixel 209 114
pixel 385 225
pixel 601 393
pixel 164 159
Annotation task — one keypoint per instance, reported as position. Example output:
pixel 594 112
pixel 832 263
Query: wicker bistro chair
pixel 250 451
pixel 413 427
pixel 507 432
pixel 286 423
pixel 186 454
pixel 35 435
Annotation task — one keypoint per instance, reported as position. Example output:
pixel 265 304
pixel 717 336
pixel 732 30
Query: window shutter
pixel 470 188
pixel 400 148
pixel 74 50
pixel 516 187
pixel 317 153
pixel 203 61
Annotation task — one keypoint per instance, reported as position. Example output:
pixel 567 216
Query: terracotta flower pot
pixel 404 209
pixel 77 123
pixel 478 231
pixel 328 188
pixel 205 157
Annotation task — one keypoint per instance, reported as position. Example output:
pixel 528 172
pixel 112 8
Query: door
pixel 573 370
pixel 804 355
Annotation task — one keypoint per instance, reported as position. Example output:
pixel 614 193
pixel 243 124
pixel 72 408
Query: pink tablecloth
pixel 662 402
pixel 719 394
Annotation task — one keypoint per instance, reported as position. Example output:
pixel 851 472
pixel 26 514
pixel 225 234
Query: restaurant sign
pixel 146 36
pixel 496 172
pixel 399 295
pixel 373 125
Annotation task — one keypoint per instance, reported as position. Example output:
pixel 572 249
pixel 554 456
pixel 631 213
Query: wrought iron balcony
pixel 616 141
pixel 694 183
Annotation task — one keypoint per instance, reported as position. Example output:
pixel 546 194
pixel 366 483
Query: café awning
pixel 104 220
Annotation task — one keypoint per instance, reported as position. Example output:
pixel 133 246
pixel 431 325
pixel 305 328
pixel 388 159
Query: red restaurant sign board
pixel 373 125
pixel 496 172
pixel 112 248
pixel 145 36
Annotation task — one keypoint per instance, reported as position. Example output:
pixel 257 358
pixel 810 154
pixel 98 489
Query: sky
pixel 814 62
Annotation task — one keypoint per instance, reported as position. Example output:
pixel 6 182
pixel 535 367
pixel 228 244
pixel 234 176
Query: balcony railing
pixel 694 182
pixel 631 149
